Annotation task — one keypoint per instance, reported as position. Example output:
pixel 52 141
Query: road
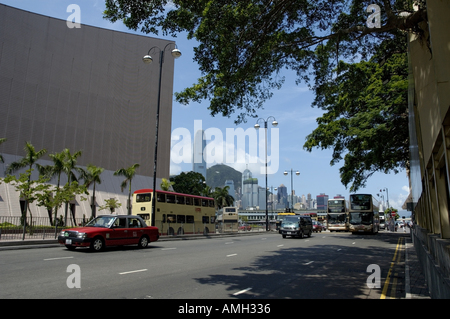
pixel 263 266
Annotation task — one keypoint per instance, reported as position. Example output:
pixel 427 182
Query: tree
pixel 166 184
pixel 243 45
pixel 110 204
pixel 188 183
pixel 93 177
pixel 69 166
pixel 129 174
pixel 222 198
pixel 30 159
pixel 55 170
pixel 366 114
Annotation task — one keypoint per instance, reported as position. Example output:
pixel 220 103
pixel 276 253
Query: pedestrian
pixel 404 226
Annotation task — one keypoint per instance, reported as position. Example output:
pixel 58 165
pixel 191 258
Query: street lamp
pixel 147 60
pixel 292 185
pixel 257 126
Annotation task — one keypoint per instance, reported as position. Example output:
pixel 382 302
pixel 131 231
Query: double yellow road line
pixel 396 259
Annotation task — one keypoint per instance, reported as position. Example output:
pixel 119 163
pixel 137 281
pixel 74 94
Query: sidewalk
pixel 415 287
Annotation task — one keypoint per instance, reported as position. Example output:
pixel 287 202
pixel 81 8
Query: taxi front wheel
pixel 97 244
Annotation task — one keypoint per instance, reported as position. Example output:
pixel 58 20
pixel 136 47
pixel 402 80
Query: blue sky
pixel 291 106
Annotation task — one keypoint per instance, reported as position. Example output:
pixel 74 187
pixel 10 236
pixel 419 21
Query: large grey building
pixel 83 89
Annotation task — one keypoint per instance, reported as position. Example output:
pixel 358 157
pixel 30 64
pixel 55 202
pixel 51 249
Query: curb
pixel 49 243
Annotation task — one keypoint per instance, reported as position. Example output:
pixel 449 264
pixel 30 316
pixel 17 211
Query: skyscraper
pixel 199 162
pixel 322 201
pixel 282 197
pixel 249 190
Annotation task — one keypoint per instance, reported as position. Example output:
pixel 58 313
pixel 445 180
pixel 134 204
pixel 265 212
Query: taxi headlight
pixel 62 233
pixel 81 235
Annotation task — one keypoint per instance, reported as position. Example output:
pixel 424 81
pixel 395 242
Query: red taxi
pixel 110 230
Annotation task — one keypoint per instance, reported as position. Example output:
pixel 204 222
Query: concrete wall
pixel 429 99
pixel 83 89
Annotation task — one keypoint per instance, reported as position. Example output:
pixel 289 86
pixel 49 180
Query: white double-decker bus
pixel 363 214
pixel 229 219
pixel 337 215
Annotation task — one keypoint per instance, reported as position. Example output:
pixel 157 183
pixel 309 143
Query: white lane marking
pixel 339 249
pixel 280 245
pixel 263 238
pixel 353 243
pixel 131 272
pixel 231 255
pixel 58 258
pixel 242 291
pixel 169 248
pixel 308 263
pixel 231 242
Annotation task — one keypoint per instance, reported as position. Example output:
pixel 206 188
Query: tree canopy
pixel 243 45
pixel 351 53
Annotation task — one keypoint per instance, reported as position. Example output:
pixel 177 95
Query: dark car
pixel 296 226
pixel 317 227
pixel 110 230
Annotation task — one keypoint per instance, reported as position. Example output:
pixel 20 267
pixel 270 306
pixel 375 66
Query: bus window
pixel 213 219
pixel 188 200
pixel 189 219
pixel 204 202
pixel 181 219
pixel 144 216
pixel 171 218
pixel 170 199
pixel 205 219
pixel 140 198
pixel 197 202
pixel 210 203
pixel 161 198
pixel 181 200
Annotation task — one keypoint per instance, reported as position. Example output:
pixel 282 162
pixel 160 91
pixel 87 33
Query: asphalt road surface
pixel 263 266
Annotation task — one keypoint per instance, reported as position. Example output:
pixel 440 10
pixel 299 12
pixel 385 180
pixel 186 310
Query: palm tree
pixel 69 165
pixel 166 184
pixel 93 177
pixel 128 173
pixel 222 197
pixel 55 170
pixel 28 160
pixel 2 140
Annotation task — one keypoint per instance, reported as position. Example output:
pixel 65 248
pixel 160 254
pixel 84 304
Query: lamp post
pixel 147 60
pixel 257 126
pixel 387 195
pixel 292 185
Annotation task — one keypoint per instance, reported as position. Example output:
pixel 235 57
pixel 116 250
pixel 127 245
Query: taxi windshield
pixel 102 221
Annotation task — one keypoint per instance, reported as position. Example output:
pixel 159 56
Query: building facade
pixel 85 89
pixel 429 125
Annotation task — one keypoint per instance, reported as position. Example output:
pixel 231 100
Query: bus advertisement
pixel 230 220
pixel 176 213
pixel 337 215
pixel 363 214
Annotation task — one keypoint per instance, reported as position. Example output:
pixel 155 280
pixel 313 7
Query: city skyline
pixel 291 106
